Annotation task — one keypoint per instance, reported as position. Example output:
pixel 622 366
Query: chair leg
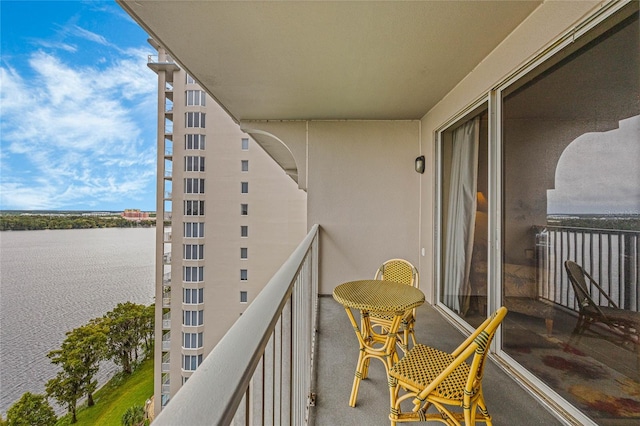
pixel 482 407
pixel 365 368
pixel 580 328
pixel 357 378
pixel 393 396
pixel 549 323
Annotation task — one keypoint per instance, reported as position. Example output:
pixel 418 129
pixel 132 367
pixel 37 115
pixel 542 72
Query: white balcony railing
pixel 166 341
pixel 166 363
pixel 166 321
pixel 155 59
pixel 277 334
pixel 611 256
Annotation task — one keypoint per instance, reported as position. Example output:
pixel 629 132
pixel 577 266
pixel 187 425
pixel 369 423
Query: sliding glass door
pixel 559 161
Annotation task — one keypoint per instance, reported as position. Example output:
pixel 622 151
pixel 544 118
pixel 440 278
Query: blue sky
pixel 77 108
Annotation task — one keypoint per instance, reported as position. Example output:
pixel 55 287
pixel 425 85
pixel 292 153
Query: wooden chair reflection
pixel 623 323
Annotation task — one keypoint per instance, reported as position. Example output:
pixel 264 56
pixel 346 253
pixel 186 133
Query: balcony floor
pixel 507 401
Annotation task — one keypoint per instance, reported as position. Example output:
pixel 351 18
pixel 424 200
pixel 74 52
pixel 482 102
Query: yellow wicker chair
pixel 445 381
pixel 401 271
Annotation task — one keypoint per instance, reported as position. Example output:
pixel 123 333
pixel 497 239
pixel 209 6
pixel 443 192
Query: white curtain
pixel 461 216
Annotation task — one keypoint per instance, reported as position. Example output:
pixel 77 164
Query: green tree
pixel 80 355
pixel 148 329
pixel 134 416
pixel 125 334
pixel 31 409
pixel 66 391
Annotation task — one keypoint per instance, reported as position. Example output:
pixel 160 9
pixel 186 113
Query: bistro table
pixel 375 296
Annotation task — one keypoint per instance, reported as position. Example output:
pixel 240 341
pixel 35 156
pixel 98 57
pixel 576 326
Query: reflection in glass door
pixel 571 192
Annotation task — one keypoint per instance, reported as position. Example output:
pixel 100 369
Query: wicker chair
pixel 401 271
pixel 432 378
pixel 623 323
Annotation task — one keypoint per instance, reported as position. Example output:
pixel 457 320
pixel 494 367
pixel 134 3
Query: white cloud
pixel 77 135
pixel 599 173
pixel 53 45
pixel 88 35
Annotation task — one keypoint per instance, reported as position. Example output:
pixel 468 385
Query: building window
pixel 195 98
pixel 192 340
pixel 193 208
pixel 243 275
pixel 244 253
pixel 190 80
pixel 190 363
pixel 193 164
pixel 194 229
pixel 194 119
pixel 193 141
pixel 193 274
pixel 192 318
pixel 193 186
pixel 164 399
pixel 244 165
pixel 193 251
pixel 243 297
pixel 244 231
pixel 193 296
pixel 244 187
pixel 245 144
pixel 244 209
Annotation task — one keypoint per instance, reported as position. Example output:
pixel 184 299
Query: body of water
pixel 54 281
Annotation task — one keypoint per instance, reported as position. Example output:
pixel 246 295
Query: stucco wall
pixel 363 191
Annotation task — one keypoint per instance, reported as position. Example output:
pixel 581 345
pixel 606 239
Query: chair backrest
pixel 398 270
pixel 579 284
pixel 577 276
pixel 476 345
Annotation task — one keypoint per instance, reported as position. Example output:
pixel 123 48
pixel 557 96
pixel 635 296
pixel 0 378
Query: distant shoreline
pixel 59 220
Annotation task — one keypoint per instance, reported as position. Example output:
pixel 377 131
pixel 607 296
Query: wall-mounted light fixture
pixel 420 164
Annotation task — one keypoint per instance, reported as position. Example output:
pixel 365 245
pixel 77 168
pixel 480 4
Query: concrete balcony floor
pixel 507 401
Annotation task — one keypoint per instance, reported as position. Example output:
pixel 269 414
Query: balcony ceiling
pixel 328 60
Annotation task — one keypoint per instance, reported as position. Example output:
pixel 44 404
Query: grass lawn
pixel 113 399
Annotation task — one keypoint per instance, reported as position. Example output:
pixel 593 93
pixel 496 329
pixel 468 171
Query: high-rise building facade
pixel 228 217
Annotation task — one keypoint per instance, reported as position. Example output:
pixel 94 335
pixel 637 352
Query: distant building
pixel 232 219
pixel 135 214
